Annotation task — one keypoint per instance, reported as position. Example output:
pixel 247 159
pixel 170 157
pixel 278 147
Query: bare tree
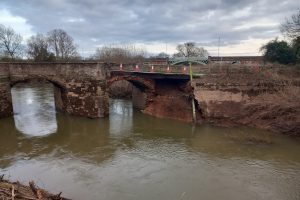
pixel 38 48
pixel 62 45
pixel 10 42
pixel 190 49
pixel 291 26
pixel 120 54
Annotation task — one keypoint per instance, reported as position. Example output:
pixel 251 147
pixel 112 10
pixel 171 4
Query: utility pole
pixel 166 48
pixel 193 101
pixel 191 81
pixel 220 60
pixel 219 47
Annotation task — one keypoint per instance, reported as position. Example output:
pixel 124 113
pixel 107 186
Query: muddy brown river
pixel 132 156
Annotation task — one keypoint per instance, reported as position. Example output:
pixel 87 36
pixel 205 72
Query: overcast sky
pixel 156 25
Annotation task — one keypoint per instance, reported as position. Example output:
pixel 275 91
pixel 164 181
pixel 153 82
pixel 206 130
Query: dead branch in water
pixel 17 191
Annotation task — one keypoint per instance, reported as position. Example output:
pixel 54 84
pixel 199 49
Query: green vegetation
pixel 278 51
pixel 282 51
pixel 296 48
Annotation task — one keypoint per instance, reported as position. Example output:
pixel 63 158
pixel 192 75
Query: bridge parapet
pixel 78 70
pixel 183 69
pixel 202 60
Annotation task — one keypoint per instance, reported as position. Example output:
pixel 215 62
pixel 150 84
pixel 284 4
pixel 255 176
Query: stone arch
pixel 142 92
pixel 139 82
pixel 59 88
pixel 55 82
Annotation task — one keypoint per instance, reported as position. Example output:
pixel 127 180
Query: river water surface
pixel 129 155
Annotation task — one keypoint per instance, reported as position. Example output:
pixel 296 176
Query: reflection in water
pixel 130 155
pixel 121 123
pixel 34 109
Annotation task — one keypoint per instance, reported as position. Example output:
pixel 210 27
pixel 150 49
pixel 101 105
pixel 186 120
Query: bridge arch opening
pixel 141 89
pixel 34 103
pixel 121 89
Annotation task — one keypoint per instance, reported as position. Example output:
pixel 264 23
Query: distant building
pixel 156 62
pixel 244 60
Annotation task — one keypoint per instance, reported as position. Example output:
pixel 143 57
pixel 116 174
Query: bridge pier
pixel 172 100
pixel 83 98
pixel 5 95
pixel 139 98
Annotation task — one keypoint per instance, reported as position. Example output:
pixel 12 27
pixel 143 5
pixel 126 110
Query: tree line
pixel 56 45
pixel 281 51
pixel 132 54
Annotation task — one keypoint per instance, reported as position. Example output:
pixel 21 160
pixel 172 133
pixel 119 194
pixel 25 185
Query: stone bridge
pixel 81 88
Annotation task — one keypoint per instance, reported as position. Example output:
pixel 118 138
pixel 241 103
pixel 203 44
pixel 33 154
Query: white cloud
pixel 244 48
pixel 72 20
pixel 19 24
pixel 267 23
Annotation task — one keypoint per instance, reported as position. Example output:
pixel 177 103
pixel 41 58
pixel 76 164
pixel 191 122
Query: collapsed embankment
pixel 267 98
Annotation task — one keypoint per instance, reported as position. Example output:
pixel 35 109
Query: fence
pixel 182 69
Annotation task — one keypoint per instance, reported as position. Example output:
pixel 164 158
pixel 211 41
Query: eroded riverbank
pixel 268 99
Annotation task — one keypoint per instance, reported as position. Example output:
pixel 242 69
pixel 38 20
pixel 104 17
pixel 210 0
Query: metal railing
pixel 197 70
pixel 160 69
